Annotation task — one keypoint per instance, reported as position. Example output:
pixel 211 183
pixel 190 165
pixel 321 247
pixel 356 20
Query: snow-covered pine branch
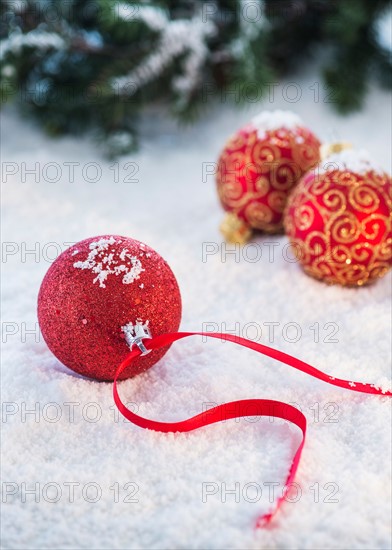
pixel 252 20
pixel 178 37
pixel 38 39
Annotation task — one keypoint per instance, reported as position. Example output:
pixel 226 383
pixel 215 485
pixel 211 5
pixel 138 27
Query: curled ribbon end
pixel 264 521
pixel 235 409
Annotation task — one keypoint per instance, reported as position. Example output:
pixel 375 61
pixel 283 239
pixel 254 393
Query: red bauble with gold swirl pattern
pixel 338 219
pixel 258 168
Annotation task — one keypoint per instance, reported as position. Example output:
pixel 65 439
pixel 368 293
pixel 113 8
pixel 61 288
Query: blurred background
pixel 113 117
pixel 99 65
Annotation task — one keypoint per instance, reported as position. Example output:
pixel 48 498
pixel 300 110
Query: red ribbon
pixel 238 409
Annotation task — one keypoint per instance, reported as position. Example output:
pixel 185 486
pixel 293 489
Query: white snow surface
pixel 76 436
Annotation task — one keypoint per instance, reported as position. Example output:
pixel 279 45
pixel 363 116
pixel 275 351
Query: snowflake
pixel 103 263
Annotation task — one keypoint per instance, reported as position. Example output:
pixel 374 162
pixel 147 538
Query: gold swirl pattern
pixel 262 154
pixel 284 176
pixel 255 176
pixel 334 199
pixel 375 226
pixel 277 201
pixel 364 198
pixel 304 217
pixel 344 228
pixel 316 245
pixel 262 185
pixel 258 214
pixel 341 221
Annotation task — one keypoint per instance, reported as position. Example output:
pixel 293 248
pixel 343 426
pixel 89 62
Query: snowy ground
pixel 344 476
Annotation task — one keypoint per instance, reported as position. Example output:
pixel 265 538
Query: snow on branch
pixel 177 37
pixel 38 39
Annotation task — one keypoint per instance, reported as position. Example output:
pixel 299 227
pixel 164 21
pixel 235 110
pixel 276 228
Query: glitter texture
pixel 82 321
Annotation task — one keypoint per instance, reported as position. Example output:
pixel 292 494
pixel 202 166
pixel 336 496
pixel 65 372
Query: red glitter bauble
pixel 96 288
pixel 261 164
pixel 338 219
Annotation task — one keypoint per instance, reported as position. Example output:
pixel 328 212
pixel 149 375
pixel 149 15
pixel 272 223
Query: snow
pixel 104 263
pixel 383 28
pixel 267 121
pixel 252 18
pixel 180 36
pixel 357 161
pixel 34 39
pixel 75 436
pixel 154 17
